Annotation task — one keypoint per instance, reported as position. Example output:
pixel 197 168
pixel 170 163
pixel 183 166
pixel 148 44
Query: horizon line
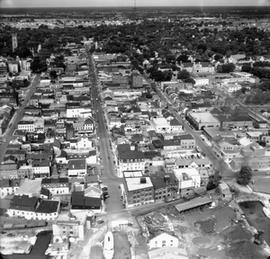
pixel 126 6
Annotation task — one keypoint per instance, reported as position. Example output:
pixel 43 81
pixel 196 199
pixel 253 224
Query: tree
pixel 38 66
pixel 226 68
pixel 53 74
pixel 184 74
pixel 213 181
pixel 244 175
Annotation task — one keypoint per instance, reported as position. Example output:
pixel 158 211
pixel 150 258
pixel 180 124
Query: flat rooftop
pixel 203 117
pixel 134 183
pixel 261 185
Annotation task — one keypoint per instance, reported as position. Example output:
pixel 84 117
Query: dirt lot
pixel 121 246
pixel 208 232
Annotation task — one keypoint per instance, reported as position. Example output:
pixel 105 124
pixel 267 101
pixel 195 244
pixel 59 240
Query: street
pixel 108 177
pixel 218 164
pixel 18 115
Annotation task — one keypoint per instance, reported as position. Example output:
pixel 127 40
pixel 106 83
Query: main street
pixel 108 170
pixel 7 136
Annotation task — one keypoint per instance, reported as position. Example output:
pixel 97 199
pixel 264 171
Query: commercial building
pixel 138 191
pixel 202 119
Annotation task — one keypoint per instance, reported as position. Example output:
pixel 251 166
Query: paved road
pixel 108 170
pixel 218 164
pixel 17 117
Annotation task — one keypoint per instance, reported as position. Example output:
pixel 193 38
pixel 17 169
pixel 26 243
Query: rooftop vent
pixel 143 180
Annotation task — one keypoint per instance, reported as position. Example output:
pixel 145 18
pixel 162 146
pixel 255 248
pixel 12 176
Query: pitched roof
pixel 75 164
pixel 54 180
pixel 79 201
pixel 24 202
pixel 47 206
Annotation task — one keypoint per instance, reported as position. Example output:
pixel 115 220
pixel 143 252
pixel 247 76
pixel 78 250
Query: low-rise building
pixel 202 119
pixel 129 159
pixel 8 187
pixel 33 208
pixel 163 240
pixel 188 179
pixel 41 168
pixel 69 226
pixel 77 168
pixel 79 201
pixel 57 186
pixel 165 186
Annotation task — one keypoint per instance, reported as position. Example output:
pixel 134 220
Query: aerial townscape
pixel 134 132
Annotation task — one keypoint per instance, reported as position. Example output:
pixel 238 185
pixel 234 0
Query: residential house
pixel 8 187
pixel 84 125
pixel 41 168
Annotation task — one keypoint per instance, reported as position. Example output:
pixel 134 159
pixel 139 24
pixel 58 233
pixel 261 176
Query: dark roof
pixel 125 153
pixel 24 203
pixel 79 201
pixel 74 164
pixel 174 122
pixel 45 191
pixel 47 206
pixel 92 153
pixel 54 180
pixel 161 180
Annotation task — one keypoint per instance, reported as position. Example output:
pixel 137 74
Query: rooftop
pixel 54 180
pixel 24 203
pixel 79 201
pixel 75 164
pixel 261 185
pixel 47 206
pixel 202 117
pixel 196 202
pixel 135 183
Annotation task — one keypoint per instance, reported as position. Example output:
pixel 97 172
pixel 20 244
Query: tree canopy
pixel 244 176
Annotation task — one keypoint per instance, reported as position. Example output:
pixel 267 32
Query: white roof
pixel 30 187
pixel 134 183
pixel 164 235
pixel 160 121
pixel 190 171
pixel 204 117
pixel 132 174
pixel 244 141
pixel 254 134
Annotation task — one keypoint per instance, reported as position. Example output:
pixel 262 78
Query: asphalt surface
pixel 18 115
pixel 108 170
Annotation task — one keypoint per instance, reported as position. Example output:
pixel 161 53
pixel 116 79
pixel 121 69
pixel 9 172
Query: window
pixel 163 243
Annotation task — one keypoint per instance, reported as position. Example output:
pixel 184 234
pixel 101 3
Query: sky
pixel 105 3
